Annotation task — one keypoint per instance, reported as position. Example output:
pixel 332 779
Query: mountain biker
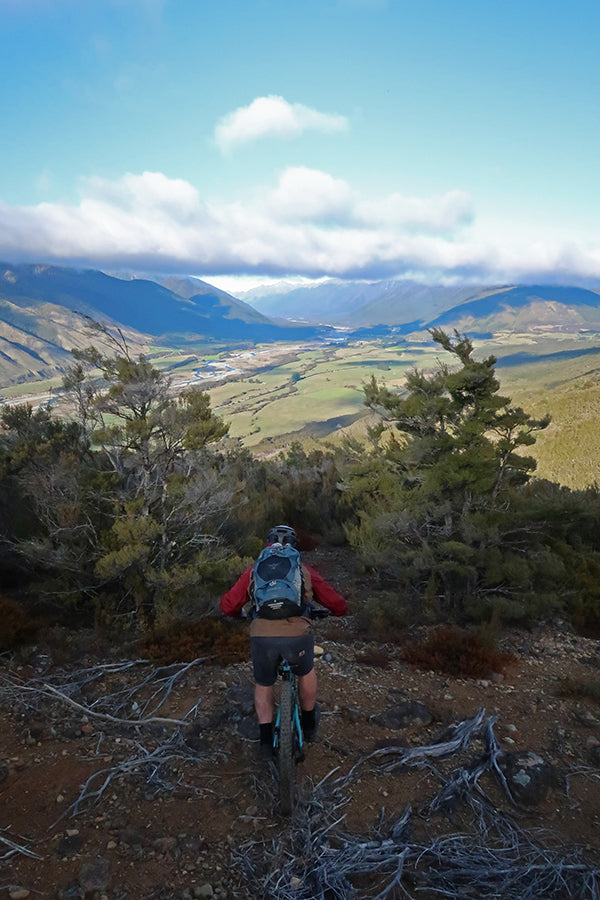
pixel 271 639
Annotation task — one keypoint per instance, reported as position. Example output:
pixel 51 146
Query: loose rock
pixel 94 876
pixel 411 712
pixel 528 776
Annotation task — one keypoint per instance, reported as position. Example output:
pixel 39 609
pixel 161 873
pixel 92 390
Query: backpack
pixel 277 582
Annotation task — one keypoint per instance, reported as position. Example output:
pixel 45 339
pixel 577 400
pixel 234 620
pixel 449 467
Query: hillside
pixel 522 309
pixel 413 306
pixel 41 310
pixel 356 304
pixel 36 339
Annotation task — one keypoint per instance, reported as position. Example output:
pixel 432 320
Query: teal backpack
pixel 278 586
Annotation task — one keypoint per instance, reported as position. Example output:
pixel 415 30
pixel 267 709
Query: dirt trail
pixel 166 827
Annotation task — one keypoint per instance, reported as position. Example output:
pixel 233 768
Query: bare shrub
pixel 222 642
pixel 18 627
pixel 459 652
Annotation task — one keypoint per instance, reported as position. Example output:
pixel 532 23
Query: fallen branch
pixel 16 848
pixel 315 859
pixel 146 764
pixel 17 689
pixel 88 711
pixel 462 735
pixel 159 762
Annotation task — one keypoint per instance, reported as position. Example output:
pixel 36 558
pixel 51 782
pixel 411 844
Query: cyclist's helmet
pixel 282 534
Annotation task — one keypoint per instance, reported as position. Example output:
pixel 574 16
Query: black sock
pixel 266 733
pixel 308 719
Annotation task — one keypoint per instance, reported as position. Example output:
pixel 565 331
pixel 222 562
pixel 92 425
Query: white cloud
pixel 149 193
pixel 273 116
pixel 438 214
pixel 309 194
pixel 309 223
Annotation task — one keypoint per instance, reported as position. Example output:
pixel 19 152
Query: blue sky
pixel 350 138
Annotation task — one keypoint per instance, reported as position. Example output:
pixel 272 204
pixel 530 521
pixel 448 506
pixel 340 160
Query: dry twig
pixel 13 848
pixel 317 860
pixel 158 759
pixel 16 690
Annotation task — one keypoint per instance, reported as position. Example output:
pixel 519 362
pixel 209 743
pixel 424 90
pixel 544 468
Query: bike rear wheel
pixel 287 762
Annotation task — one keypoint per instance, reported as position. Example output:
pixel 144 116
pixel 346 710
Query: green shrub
pixel 517 609
pixel 383 617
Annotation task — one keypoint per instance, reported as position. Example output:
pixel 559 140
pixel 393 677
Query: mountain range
pixel 411 306
pixel 43 312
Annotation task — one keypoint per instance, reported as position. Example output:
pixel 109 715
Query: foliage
pixel 296 487
pixel 55 509
pixel 383 617
pixel 571 522
pixel 161 542
pixel 135 510
pixel 139 510
pixel 435 512
pixel 121 507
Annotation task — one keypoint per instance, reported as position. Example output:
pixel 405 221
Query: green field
pixel 568 451
pixel 319 394
pixel 317 386
pixel 311 394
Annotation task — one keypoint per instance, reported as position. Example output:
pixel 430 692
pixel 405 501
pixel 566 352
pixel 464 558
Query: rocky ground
pixel 95 804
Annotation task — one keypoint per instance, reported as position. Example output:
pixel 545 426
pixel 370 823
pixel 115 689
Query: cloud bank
pixel 273 116
pixel 306 223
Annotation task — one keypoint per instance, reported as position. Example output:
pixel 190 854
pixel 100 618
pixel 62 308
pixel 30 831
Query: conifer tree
pixel 456 460
pixel 169 499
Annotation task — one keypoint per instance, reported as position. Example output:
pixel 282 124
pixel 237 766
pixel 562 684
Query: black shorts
pixel 268 651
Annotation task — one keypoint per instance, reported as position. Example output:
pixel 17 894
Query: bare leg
pixel 263 702
pixel 307 685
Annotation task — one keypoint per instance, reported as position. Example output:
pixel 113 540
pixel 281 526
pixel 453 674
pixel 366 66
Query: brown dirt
pixel 173 841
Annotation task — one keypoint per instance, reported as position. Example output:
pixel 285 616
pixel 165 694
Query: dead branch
pixel 160 761
pixel 13 848
pixel 151 720
pixel 155 768
pixel 107 707
pixel 315 859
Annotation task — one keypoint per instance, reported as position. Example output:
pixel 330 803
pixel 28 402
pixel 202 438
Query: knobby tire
pixel 287 763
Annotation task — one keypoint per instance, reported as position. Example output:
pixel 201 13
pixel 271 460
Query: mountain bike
pixel 288 740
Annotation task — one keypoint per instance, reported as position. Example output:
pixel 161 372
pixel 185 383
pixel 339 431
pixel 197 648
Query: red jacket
pixel 236 597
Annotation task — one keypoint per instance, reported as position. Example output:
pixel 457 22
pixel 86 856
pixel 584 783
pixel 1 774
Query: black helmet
pixel 282 534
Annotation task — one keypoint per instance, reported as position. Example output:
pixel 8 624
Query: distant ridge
pixel 149 306
pixel 398 304
pixel 41 310
pixel 356 303
pixel 527 308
